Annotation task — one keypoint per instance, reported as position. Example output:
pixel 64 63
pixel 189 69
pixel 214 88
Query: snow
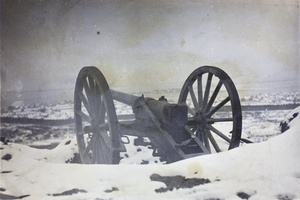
pixel 64 109
pixel 265 170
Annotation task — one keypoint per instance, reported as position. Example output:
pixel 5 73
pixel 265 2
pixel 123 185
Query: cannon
pixel 206 119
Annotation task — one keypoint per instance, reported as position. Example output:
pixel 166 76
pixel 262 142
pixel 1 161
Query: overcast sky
pixel 150 44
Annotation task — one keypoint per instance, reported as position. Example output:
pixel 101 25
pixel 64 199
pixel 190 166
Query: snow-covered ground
pixel 64 109
pixel 258 125
pixel 266 170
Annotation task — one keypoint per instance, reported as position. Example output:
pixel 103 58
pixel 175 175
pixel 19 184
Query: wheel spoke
pixel 213 97
pixel 101 157
pixel 89 86
pixel 105 153
pixel 98 99
pixel 219 133
pixel 102 111
pixel 104 136
pixel 87 89
pixel 206 142
pixel 213 141
pixel 92 95
pixel 207 89
pixel 98 150
pixel 85 102
pixel 193 96
pixel 92 86
pixel 200 98
pixel 84 116
pixel 220 105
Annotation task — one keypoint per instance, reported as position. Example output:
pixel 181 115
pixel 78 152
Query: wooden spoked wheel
pixel 214 109
pixel 95 117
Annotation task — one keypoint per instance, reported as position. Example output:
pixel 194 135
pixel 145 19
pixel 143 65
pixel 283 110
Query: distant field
pixel 41 124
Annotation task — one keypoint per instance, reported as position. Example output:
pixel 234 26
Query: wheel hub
pixel 201 119
pixel 91 129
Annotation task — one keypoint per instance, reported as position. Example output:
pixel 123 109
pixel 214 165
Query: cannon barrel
pixel 163 111
pixel 122 97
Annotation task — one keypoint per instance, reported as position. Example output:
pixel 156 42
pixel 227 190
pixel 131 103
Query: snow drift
pixel 267 170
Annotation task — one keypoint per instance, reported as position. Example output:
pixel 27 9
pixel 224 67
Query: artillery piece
pixel 207 118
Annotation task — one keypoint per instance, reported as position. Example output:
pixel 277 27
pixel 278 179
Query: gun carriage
pixel 206 119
